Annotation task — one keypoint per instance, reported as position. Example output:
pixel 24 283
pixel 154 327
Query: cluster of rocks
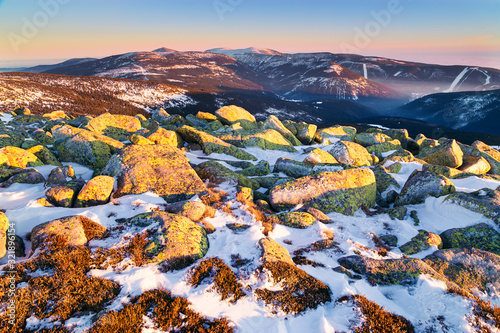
pixel 133 155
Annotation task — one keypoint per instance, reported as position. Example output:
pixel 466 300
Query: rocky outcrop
pixel 342 191
pixel 423 184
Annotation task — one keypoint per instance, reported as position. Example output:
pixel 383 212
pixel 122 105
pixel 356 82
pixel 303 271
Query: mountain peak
pixel 163 50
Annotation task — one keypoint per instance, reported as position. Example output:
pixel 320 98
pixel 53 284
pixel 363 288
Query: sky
pixel 461 32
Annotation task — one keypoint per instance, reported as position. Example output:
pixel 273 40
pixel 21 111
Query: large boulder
pixel 442 170
pixel 492 155
pixel 118 127
pixel 161 169
pixel 59 176
pixel 13 157
pixel 448 154
pixel 74 230
pixel 272 122
pixel 475 164
pixel 337 132
pixel 177 243
pixel 217 173
pixel 96 192
pixel 210 144
pixel 485 201
pixel 351 153
pixel 305 132
pixel 234 114
pixel 423 184
pixel 479 236
pixel 342 191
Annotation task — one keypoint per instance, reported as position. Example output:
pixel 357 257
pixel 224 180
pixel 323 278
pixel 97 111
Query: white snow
pixel 457 80
pixel 365 71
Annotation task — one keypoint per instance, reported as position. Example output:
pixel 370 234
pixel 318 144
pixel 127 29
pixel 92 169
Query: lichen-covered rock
pixel 217 173
pixel 96 192
pixel 269 182
pixel 115 126
pixel 273 252
pixel 485 201
pixel 479 236
pixel 59 176
pixel 160 115
pixel 139 140
pixel 475 164
pixel 210 144
pixel 266 139
pixel 351 153
pixel 4 226
pixel 27 176
pixel 383 178
pixel 322 167
pixel 389 240
pixel 384 147
pixel 13 157
pixel 400 134
pixel 319 215
pixel 447 154
pixel 193 210
pixel 234 114
pixel 161 169
pixel 206 115
pixel 319 156
pixel 369 139
pixel 162 136
pixel 442 170
pixel 424 142
pixel 44 155
pixel 75 231
pixel 272 122
pixel 389 271
pixel 490 154
pixel 10 138
pixel 423 184
pixel 337 132
pixel 305 132
pixel 397 212
pixel 45 138
pixel 394 167
pixel 177 243
pixel 5 174
pixel 64 195
pixel 261 169
pixel 300 220
pixel 421 242
pixel 292 168
pixel 342 191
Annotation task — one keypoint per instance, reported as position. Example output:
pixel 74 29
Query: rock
pixel 337 132
pixel 423 184
pixel 5 174
pixel 480 236
pixel 96 192
pixel 80 121
pixel 399 156
pixel 4 227
pixel 489 154
pixel 211 144
pixel 161 169
pixel 160 115
pixel 442 170
pixel 162 136
pixel 27 176
pixel 414 216
pixel 44 155
pixel 398 134
pixel 13 157
pixel 389 271
pixel 177 243
pixel 292 168
pixel 485 201
pixel 65 195
pixel 322 167
pixel 319 156
pixel 269 182
pixel 342 191
pixel 217 173
pixel 206 115
pixel 139 140
pixel 75 231
pixel 397 212
pixel 45 138
pixel 351 153
pixel 21 110
pixel 319 215
pixel 273 252
pixel 59 176
pixel 384 147
pixel 476 165
pixel 193 210
pixel 10 138
pixel 28 119
pixel 299 220
pixel 391 196
pixel 383 178
pixel 395 167
pixel 115 126
pixel 389 240
pixel 421 242
pixel 369 139
pixel 447 154
pixel 305 132
pixel 266 139
pixel 231 114
pixel 261 169
pixel 272 122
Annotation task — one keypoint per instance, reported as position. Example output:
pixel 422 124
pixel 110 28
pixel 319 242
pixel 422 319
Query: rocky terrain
pixel 216 222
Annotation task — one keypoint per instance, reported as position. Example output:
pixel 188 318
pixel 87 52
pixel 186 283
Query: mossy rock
pixel 272 122
pixel 480 236
pixel 14 157
pixel 299 220
pixel 178 243
pixel 96 192
pixel 490 154
pixel 397 212
pixel 421 242
pixel 485 201
pixel 342 191
pixel 162 136
pixel 292 168
pixel 45 155
pixel 475 164
pixel 400 134
pixel 74 230
pixel 10 138
pixel 383 178
pixel 421 185
pixel 442 170
pixel 390 271
pixel 56 115
pixel 217 173
pixel 269 182
pixel 196 122
pixel 231 114
pixel 64 195
pixel 273 252
pixel 261 169
pixel 323 167
pixel 345 133
pixel 59 176
pixel 5 174
pixel 305 132
pixel 384 147
pixel 318 155
pixel 27 144
pixel 447 154
pixel 211 144
pixel 45 138
pixel 351 153
pixel 21 110
pixel 139 140
pixel 193 210
pixel 369 139
pixel 28 119
pixel 161 169
pixel 266 139
pixel 399 156
pixel 27 176
pixel 206 116
pixel 389 240
pixel 115 126
pixel 395 167
pixel 160 115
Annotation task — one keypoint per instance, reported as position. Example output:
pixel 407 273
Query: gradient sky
pixel 437 31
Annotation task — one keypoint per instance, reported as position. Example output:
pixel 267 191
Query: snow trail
pixel 457 80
